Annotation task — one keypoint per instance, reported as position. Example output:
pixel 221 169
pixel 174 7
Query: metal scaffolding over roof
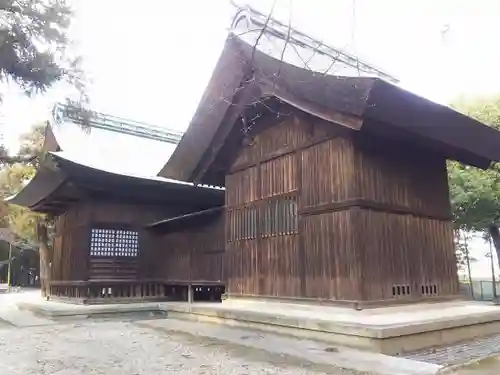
pixel 63 112
pixel 286 43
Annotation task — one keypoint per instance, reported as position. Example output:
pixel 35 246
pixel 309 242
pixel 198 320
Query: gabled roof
pixel 59 183
pixel 111 143
pixel 301 50
pixel 244 75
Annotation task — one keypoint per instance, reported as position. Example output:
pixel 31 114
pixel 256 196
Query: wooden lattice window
pixel 280 217
pixel 243 223
pixel 276 217
pixel 105 242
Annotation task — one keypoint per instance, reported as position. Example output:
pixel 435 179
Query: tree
pixel 26 225
pixel 474 193
pixel 34 51
pixel 21 221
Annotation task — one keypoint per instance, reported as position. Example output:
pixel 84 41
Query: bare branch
pixel 6 159
pixel 269 16
pixel 287 40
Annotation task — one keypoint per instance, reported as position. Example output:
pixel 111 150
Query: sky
pixel 151 60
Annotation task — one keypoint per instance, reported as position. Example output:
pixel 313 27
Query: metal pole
pixel 494 289
pixel 9 268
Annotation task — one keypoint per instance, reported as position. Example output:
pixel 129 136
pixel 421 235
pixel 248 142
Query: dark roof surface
pixel 66 177
pixel 243 70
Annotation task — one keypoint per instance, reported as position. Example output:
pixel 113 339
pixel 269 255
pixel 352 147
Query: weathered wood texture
pixel 126 217
pixel 193 255
pixel 69 260
pixel 72 258
pixel 352 219
pixel 406 235
pixel 262 251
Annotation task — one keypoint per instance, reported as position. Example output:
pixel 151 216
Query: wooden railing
pixel 119 291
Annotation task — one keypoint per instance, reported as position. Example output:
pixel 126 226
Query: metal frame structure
pixel 260 23
pixel 63 112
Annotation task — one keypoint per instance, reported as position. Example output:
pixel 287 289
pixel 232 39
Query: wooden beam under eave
pixel 347 120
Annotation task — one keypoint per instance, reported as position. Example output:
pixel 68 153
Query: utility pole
pixel 9 267
pixel 494 285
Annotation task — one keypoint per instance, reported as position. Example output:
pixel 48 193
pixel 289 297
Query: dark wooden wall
pixel 70 245
pixel 126 216
pixel 192 255
pixel 373 219
pixel 262 201
pixel 405 225
pixel 72 260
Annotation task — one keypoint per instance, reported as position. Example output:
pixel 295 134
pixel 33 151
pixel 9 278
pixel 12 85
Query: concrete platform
pixel 232 342
pixel 390 330
pixel 58 310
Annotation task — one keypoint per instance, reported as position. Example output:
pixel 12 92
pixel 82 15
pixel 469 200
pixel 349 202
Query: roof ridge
pixel 269 25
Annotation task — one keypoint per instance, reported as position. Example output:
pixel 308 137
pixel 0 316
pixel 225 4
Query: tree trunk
pixel 495 236
pixel 45 258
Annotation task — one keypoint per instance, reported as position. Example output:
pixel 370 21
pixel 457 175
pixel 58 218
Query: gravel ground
pixel 129 348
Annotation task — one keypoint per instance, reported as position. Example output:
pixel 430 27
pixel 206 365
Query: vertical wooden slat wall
pixel 408 241
pixel 373 218
pixel 71 258
pixel 331 268
pixel 192 255
pixel 134 217
pixel 262 250
pixel 70 245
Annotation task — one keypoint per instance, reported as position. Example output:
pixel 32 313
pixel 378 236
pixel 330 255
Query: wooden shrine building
pixel 116 236
pixel 336 186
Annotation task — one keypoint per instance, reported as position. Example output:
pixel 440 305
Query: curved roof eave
pixel 375 101
pixel 44 184
pixel 153 144
pixel 317 94
pixel 71 160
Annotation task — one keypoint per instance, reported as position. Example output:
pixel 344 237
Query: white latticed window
pixel 114 243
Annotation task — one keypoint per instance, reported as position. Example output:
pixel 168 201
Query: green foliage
pixel 34 44
pixel 484 109
pixel 475 196
pixel 35 53
pixel 474 193
pixel 13 177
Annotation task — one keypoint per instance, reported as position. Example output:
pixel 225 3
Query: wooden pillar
pixel 190 293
